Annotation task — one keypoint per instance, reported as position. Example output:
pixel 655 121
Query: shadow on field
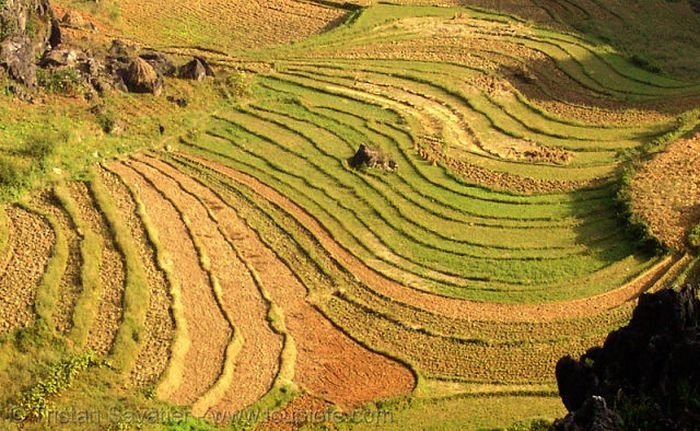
pixel 544 80
pixel 661 33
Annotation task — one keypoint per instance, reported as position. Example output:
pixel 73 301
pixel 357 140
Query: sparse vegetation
pixel 35 403
pixel 236 86
pixel 66 81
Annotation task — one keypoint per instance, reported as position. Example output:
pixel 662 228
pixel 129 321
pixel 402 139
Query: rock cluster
pixel 645 376
pixel 372 158
pixel 197 69
pixel 141 77
pixel 124 67
pixel 21 42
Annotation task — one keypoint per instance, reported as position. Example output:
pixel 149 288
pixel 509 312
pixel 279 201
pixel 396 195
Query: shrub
pixel 107 121
pixel 60 81
pixel 21 167
pixel 636 226
pixel 34 404
pixel 188 424
pixel 536 425
pixel 694 236
pixel 643 63
pixel 40 147
pixel 10 174
pixel 640 413
pixel 236 86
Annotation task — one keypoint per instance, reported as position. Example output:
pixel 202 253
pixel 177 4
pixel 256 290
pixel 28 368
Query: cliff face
pixel 645 377
pixel 28 28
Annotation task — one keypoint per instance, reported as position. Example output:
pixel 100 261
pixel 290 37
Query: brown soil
pixel 159 326
pixel 440 305
pixel 208 331
pixel 30 248
pixel 258 362
pixel 112 272
pixel 329 364
pixel 666 192
pixel 70 286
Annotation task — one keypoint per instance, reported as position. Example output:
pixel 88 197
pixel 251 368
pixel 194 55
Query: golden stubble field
pixel 241 264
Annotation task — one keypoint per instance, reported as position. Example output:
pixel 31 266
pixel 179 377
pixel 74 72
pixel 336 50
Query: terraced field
pixel 251 261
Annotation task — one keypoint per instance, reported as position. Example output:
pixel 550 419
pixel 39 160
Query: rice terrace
pixel 328 215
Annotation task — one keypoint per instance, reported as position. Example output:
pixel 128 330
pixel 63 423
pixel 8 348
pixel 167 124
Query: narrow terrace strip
pixel 112 273
pixel 71 286
pixel 30 249
pixel 159 325
pixel 257 361
pixel 208 332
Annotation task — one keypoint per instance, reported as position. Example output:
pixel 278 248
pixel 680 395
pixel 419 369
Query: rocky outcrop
pixel 372 158
pixel 646 372
pixel 162 64
pixel 141 77
pixel 62 57
pixel 594 415
pixel 30 37
pixel 137 72
pixel 73 19
pixel 197 69
pixel 28 28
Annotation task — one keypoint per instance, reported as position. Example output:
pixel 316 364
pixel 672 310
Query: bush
pixel 236 86
pixel 636 226
pixel 643 63
pixel 188 424
pixel 21 167
pixel 108 121
pixel 60 81
pixel 694 237
pixel 536 425
pixel 10 174
pixel 34 404
pixel 641 413
pixel 39 147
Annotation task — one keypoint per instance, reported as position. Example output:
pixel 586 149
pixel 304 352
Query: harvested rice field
pixel 240 270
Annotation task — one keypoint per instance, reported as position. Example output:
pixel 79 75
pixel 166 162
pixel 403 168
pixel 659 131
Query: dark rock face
pixel 17 56
pixel 594 415
pixel 162 64
pixel 21 43
pixel 30 31
pixel 197 69
pixel 120 50
pixel 372 158
pixel 652 364
pixel 62 57
pixel 193 70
